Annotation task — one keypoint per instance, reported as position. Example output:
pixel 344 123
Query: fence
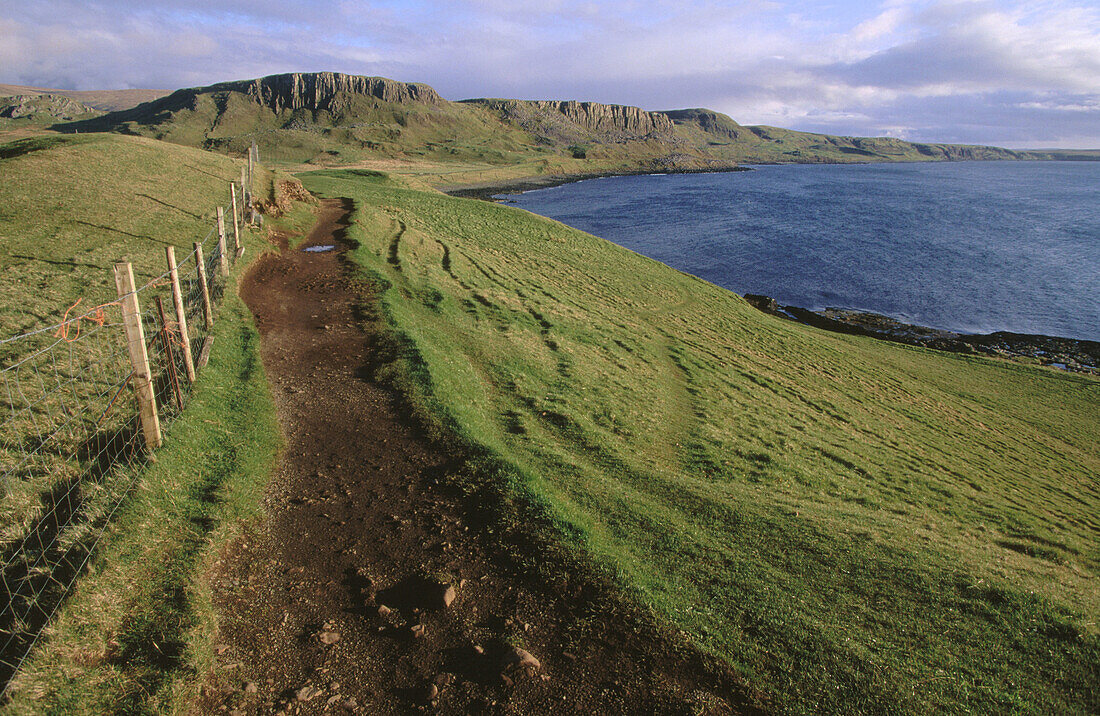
pixel 83 402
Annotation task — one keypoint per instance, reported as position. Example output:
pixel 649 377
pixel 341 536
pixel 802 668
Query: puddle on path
pixel 319 249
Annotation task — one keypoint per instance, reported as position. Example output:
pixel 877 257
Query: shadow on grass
pixel 41 567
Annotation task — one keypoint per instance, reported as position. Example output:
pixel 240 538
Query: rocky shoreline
pixel 1069 354
pixel 488 190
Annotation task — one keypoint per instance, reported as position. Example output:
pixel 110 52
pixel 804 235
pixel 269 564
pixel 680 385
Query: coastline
pixel 487 190
pixel 1074 355
pixel 1069 354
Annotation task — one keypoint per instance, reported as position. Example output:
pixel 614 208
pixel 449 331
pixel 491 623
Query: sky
pixel 1002 72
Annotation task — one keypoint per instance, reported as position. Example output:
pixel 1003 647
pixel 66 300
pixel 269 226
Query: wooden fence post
pixel 181 312
pixel 207 313
pixel 221 242
pixel 139 356
pixel 236 224
pixel 246 191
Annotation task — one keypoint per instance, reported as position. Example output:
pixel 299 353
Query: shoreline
pixel 487 190
pixel 1073 355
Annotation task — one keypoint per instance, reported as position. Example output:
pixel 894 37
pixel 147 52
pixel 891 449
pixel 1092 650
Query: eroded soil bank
pixel 372 587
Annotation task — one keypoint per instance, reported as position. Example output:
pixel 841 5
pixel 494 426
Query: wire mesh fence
pixel 72 438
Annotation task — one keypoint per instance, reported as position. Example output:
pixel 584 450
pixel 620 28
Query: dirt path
pixel 360 516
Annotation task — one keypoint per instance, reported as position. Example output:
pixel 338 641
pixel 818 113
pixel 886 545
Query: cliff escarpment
pixel 314 101
pixel 569 119
pixel 328 118
pixel 323 90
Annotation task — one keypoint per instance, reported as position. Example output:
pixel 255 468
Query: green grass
pixel 296 223
pixel 71 206
pixel 856 526
pixel 137 634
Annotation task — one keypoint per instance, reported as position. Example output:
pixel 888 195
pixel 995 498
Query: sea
pixel 973 247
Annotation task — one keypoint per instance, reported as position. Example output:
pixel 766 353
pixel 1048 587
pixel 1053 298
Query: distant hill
pixel 1066 155
pixel 102 100
pixel 44 108
pixel 332 118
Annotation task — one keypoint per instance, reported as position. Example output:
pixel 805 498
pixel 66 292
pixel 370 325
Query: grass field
pixel 856 526
pixel 138 632
pixel 70 206
pixel 134 634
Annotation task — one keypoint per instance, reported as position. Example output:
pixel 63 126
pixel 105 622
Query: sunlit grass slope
pixel 70 206
pixel 136 632
pixel 856 526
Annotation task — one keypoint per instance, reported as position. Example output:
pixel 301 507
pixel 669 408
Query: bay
pixel 973 247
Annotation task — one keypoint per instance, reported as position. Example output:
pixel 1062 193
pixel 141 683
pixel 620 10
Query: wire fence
pixel 74 430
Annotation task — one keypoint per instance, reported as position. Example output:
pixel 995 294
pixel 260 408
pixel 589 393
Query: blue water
pixel 969 246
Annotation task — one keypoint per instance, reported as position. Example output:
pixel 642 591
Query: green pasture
pixel 856 526
pixel 135 633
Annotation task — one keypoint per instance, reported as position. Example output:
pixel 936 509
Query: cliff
pixel 320 90
pixel 553 118
pixel 333 118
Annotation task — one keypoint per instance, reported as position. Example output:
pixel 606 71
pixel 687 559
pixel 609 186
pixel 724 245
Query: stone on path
pixel 516 659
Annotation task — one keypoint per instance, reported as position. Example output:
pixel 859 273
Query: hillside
pixel 133 626
pixel 109 197
pixel 846 525
pixel 329 118
pixel 853 525
pixel 101 100
pixel 44 108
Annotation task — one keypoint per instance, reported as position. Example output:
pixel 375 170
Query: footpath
pixel 370 588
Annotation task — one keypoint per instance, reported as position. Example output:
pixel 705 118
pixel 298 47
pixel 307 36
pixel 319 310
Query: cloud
pixel 988 71
pixel 971 47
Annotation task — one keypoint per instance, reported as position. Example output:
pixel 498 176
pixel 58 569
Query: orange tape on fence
pixel 97 315
pixel 175 335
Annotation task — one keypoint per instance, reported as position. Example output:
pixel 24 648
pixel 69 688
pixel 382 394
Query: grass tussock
pixel 856 526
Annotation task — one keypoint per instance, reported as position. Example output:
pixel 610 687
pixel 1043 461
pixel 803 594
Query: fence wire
pixel 71 444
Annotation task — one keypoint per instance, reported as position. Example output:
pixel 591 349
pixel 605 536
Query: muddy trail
pixel 372 587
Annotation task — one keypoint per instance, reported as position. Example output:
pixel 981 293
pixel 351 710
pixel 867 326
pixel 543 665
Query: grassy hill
pixel 134 634
pixel 74 205
pixel 101 100
pixel 856 526
pixel 334 119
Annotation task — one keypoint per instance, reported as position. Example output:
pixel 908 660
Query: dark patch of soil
pixel 336 603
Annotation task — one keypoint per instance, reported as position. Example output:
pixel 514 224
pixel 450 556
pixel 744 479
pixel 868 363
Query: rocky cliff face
pixel 607 119
pixel 610 117
pixel 318 90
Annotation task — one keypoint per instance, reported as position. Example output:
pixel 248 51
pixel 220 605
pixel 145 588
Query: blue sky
pixel 1017 74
